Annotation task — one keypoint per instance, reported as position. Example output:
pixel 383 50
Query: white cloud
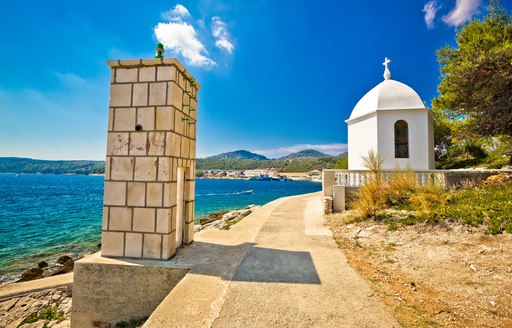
pixel 330 149
pixel 176 14
pixel 463 11
pixel 221 35
pixel 181 38
pixel 179 34
pixel 430 10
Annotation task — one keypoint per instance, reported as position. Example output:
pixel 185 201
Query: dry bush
pixel 371 197
pixel 427 198
pixel 468 184
pixel 497 179
pixel 401 186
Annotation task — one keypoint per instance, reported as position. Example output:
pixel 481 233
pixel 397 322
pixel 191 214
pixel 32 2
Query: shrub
pixel 48 313
pixel 400 187
pixel 371 197
pixel 489 203
pixel 427 199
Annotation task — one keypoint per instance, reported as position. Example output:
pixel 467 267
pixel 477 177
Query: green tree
pixel 477 74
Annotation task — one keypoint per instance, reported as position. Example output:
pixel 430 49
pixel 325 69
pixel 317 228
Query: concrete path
pixel 279 267
pixel 28 287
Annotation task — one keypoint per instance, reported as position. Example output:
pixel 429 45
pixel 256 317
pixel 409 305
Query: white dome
pixel 388 94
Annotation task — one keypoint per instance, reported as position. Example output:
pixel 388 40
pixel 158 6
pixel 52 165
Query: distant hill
pixel 239 155
pixel 305 154
pixel 28 165
pixel 343 155
pixel 237 160
pixel 303 161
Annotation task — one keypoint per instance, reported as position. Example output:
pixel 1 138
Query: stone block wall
pixel 151 133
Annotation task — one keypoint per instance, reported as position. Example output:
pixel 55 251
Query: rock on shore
pixel 64 264
pixel 224 220
pixel 15 310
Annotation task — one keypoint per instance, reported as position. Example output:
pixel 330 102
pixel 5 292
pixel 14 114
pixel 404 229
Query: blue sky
pixel 276 76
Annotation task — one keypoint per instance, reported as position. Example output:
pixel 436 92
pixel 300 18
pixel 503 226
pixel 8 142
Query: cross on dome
pixel 387 73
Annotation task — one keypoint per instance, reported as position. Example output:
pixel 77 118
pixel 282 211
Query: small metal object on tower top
pixel 387 73
pixel 159 51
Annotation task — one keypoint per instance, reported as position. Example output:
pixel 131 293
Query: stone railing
pixel 356 178
pixel 339 185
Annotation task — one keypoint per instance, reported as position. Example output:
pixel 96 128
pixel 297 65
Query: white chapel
pixel 392 120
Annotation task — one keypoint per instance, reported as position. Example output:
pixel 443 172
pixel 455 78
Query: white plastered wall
pixel 421 143
pixel 362 137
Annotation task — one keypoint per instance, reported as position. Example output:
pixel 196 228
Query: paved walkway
pixel 279 267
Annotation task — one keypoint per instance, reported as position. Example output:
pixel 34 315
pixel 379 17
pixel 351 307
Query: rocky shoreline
pixel 52 308
pixel 47 265
pixel 64 263
pixel 48 308
pixel 223 220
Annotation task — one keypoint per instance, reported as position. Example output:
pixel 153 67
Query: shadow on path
pixel 259 264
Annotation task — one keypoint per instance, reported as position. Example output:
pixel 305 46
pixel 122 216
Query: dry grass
pixel 371 196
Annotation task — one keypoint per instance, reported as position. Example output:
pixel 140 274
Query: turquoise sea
pixel 44 216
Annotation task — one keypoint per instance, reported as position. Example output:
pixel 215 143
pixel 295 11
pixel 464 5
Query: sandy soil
pixel 433 276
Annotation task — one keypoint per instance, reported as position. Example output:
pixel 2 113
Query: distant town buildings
pixel 314 175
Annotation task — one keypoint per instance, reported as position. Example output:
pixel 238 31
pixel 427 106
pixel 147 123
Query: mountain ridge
pixel 238 155
pixel 305 154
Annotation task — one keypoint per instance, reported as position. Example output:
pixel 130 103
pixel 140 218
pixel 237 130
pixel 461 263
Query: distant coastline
pixel 41 173
pixel 303 161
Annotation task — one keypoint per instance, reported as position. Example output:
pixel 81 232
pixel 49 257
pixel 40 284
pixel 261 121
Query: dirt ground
pixel 433 276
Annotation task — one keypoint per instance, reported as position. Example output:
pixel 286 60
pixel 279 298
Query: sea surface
pixel 45 216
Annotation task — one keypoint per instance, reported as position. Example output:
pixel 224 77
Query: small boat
pixel 261 178
pixel 247 192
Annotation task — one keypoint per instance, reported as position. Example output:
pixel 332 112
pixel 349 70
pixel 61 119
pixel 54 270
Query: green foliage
pixel 283 165
pixel 489 205
pixel 27 165
pixel 305 154
pixel 239 155
pixel 476 152
pixel 396 221
pixel 477 75
pixel 341 164
pixel 48 313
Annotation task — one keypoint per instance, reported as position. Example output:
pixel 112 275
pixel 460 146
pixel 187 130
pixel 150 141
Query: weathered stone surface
pixel 152 246
pixel 14 311
pixel 327 205
pixel 133 245
pixel 147 74
pixel 223 220
pixel 120 218
pixel 114 193
pixel 39 324
pixel 31 274
pixel 149 138
pixel 136 194
pixel 112 243
pixel 144 219
pixel 138 290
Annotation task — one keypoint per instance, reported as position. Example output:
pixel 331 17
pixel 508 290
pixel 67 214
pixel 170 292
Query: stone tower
pixel 150 164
